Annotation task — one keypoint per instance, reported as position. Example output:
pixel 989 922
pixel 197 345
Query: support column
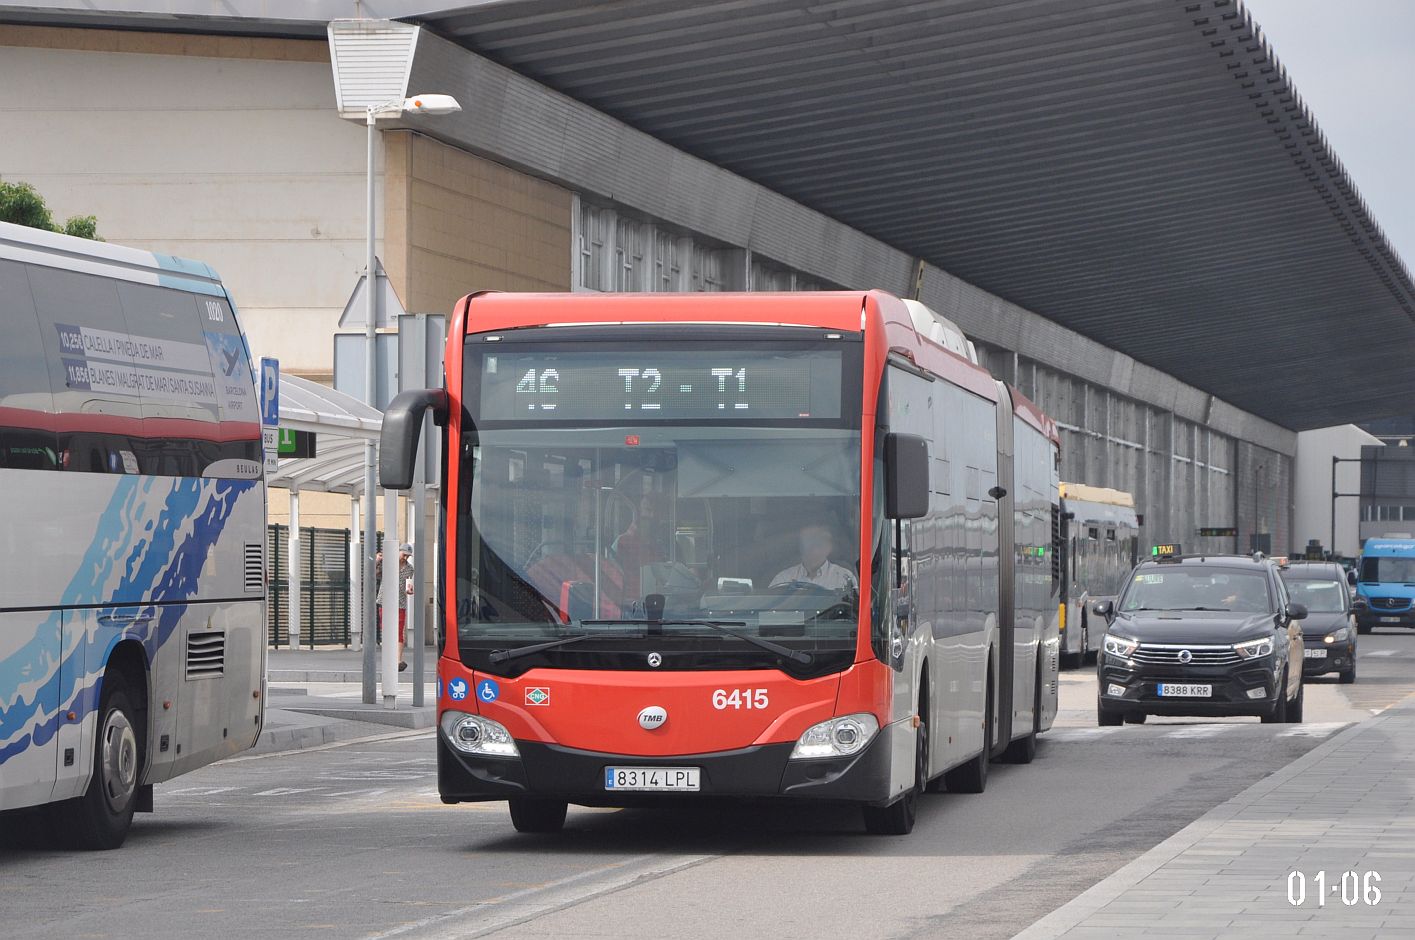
pixel 356 575
pixel 296 575
pixel 392 587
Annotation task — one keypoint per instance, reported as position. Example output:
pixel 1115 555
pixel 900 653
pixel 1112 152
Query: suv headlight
pixel 473 734
pixel 1339 635
pixel 1254 649
pixel 838 737
pixel 1120 646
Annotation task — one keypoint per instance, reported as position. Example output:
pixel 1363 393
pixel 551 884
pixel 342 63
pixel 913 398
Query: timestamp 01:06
pixel 1352 887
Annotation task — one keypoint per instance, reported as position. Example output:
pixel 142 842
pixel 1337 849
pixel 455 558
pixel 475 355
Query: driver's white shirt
pixel 829 575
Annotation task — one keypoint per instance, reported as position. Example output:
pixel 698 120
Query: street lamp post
pixel 418 104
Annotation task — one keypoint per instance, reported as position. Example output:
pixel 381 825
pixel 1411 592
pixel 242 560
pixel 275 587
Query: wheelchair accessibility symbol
pixel 457 688
pixel 488 691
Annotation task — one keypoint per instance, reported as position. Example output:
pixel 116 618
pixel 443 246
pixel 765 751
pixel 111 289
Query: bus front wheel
pixel 532 815
pixel 100 819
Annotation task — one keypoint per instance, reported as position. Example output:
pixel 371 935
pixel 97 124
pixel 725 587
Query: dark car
pixel 1211 635
pixel 1329 632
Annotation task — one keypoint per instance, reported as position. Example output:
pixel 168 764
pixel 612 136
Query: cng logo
pixel 655 716
pixel 538 696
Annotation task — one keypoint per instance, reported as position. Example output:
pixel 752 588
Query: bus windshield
pixel 601 519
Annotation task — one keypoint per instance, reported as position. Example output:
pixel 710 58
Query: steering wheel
pixel 804 587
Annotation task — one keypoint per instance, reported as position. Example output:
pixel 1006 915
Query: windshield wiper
pixel 501 656
pixel 796 656
pixel 1203 608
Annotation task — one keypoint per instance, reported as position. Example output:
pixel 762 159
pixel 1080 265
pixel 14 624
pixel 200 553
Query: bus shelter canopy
pixel 342 425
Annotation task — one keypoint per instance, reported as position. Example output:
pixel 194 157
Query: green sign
pixel 296 443
pixel 1218 532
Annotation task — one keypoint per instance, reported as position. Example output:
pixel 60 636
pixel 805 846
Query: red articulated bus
pixel 795 546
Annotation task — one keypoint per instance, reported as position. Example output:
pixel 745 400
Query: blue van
pixel 1385 584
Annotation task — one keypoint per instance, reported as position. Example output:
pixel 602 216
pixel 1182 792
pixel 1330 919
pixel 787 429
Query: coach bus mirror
pixel 906 476
pixel 1351 577
pixel 402 425
pixel 1296 611
pixel 1103 609
pixel 1358 603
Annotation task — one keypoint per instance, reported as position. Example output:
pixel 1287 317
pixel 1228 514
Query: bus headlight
pixel 838 737
pixel 1254 649
pixel 473 734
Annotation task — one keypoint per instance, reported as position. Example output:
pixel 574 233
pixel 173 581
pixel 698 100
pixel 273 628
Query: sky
pixel 1353 63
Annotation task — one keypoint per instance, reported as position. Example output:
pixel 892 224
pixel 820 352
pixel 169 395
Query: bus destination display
pixel 660 384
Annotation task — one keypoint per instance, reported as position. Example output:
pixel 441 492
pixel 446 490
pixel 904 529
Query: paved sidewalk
pixel 336 664
pixel 1347 805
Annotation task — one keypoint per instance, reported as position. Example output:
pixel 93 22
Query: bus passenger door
pixel 29 701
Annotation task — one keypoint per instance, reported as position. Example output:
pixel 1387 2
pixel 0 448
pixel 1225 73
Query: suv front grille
pixel 1165 655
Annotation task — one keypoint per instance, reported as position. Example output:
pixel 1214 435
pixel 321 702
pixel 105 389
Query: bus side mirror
pixel 1351 577
pixel 1359 603
pixel 1296 611
pixel 1103 609
pixel 906 476
pixel 402 426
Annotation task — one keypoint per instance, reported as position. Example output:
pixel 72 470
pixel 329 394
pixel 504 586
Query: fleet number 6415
pixel 739 698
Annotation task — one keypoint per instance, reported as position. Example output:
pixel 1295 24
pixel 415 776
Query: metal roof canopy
pixel 343 424
pixel 1140 171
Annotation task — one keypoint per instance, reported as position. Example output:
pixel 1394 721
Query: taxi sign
pixel 1164 551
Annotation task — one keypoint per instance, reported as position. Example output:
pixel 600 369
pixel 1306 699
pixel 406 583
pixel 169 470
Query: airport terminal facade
pixel 227 148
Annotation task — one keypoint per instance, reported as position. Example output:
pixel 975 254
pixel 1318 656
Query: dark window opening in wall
pixel 1110 535
pixel 1093 533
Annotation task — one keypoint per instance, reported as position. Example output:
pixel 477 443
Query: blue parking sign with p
pixel 270 392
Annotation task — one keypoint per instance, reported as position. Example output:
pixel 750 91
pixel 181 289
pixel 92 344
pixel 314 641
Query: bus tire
pixel 529 814
pixel 1022 750
pixel 972 777
pixel 897 818
pixel 1363 628
pixel 1106 718
pixel 1294 708
pixel 100 819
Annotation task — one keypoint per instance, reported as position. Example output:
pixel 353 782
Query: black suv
pixel 1329 631
pixel 1201 635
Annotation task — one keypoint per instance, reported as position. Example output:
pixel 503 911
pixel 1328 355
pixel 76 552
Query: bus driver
pixel 816 566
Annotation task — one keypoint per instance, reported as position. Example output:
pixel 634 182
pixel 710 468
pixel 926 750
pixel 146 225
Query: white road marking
pixel 371 739
pixel 1079 734
pixel 1201 731
pixel 517 907
pixel 1317 729
pixel 1379 653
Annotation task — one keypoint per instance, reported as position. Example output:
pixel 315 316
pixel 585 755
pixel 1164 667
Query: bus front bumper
pixel 764 771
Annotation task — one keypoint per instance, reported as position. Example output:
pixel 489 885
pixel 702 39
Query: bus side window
pixel 27 440
pixel 178 389
pixel 88 352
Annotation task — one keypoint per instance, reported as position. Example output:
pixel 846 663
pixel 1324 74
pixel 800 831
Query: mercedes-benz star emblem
pixel 1185 656
pixel 655 660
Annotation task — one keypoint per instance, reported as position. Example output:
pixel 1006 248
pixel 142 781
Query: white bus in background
pixel 132 522
pixel 1100 538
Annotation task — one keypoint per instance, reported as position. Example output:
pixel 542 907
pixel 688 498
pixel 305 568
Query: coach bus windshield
pixel 621 492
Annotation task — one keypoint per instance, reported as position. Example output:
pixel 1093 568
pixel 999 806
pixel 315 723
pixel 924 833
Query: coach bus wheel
pixel 897 819
pixel 532 815
pixel 100 819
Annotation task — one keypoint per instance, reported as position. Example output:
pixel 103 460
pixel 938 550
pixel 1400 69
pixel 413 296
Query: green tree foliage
pixel 22 204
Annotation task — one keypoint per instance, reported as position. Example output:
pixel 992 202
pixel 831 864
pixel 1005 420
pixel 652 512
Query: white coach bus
pixel 132 522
